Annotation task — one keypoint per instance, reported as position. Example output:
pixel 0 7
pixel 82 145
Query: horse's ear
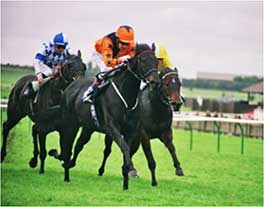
pixel 153 47
pixel 79 54
pixel 68 53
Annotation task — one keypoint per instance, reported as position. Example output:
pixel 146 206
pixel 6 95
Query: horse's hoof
pixel 53 152
pixel 100 172
pixel 59 157
pixel 67 180
pixel 133 174
pixel 41 172
pixel 179 172
pixel 33 163
pixel 154 183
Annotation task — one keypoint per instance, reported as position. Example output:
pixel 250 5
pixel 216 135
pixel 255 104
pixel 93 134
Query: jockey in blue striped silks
pixel 48 61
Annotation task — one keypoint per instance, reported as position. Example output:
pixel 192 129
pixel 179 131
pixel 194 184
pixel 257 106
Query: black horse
pixel 112 107
pixel 44 111
pixel 155 109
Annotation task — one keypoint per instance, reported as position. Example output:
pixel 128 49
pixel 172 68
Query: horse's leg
pixel 82 140
pixel 145 142
pixel 117 137
pixel 166 138
pixel 34 160
pixel 68 136
pixel 12 120
pixel 43 151
pixel 107 152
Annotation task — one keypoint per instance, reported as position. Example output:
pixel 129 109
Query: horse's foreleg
pixel 145 142
pixel 43 151
pixel 68 136
pixel 82 140
pixel 117 137
pixel 107 152
pixel 34 160
pixel 166 138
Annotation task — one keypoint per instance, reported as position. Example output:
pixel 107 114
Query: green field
pixel 211 178
pixel 9 78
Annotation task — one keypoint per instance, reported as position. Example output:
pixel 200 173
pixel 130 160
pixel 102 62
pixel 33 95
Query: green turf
pixel 211 178
pixel 9 78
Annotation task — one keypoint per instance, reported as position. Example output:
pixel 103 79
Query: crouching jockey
pixel 47 62
pixel 110 51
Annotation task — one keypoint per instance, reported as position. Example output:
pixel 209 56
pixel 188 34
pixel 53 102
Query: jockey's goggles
pixel 61 46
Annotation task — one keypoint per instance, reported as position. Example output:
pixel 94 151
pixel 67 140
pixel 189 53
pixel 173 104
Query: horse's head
pixel 171 86
pixel 144 64
pixel 73 68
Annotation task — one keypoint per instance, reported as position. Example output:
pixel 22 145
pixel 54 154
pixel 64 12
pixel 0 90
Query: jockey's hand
pixel 39 78
pixel 56 69
pixel 100 76
pixel 123 59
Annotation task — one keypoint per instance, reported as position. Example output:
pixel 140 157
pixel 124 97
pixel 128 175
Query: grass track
pixel 212 178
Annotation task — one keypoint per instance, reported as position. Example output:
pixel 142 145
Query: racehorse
pixel 155 109
pixel 112 107
pixel 44 111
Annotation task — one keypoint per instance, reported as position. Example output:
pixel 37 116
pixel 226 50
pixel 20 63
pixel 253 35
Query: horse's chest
pixel 156 127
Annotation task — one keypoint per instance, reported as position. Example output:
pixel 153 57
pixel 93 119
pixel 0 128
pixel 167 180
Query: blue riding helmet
pixel 60 39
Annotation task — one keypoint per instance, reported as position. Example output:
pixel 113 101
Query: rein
pixel 142 78
pixel 61 75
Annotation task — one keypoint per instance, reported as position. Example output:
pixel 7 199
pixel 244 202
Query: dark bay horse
pixel 111 108
pixel 42 113
pixel 155 109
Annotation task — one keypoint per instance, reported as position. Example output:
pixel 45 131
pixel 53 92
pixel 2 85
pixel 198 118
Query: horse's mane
pixel 140 47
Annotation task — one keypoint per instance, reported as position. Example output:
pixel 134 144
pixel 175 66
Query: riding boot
pixel 90 94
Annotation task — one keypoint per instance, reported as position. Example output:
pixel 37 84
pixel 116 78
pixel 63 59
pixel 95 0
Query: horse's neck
pixel 128 86
pixel 156 100
pixel 53 91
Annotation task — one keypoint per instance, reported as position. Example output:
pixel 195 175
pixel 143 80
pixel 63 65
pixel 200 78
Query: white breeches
pixel 97 59
pixel 40 67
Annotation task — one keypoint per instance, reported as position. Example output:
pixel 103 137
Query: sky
pixel 207 36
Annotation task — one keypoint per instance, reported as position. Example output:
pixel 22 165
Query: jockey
pixel 47 62
pixel 163 57
pixel 110 51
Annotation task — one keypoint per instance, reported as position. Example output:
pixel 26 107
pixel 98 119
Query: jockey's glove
pixel 124 58
pixel 39 77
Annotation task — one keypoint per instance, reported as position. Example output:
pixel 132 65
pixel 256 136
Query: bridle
pixel 161 95
pixel 141 77
pixel 61 74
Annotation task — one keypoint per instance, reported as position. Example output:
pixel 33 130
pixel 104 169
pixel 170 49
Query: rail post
pixel 242 138
pixel 191 134
pixel 218 135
